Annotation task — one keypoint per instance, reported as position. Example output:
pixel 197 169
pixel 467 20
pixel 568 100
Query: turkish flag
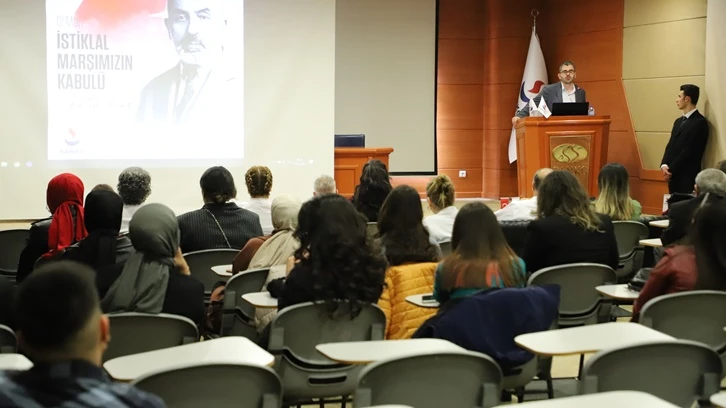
pixel 111 13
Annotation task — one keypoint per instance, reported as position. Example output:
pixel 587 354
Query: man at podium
pixel 563 91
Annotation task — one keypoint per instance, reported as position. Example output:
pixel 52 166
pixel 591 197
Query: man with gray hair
pixel 709 182
pixel 525 209
pixel 134 187
pixel 324 185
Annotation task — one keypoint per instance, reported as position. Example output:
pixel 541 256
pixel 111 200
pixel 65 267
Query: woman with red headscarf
pixel 64 228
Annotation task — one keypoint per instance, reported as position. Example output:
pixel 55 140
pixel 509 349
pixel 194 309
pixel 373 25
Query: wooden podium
pixel 578 144
pixel 349 163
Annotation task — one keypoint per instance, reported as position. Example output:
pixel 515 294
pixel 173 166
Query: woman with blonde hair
pixel 614 199
pixel 440 198
pixel 259 184
pixel 568 230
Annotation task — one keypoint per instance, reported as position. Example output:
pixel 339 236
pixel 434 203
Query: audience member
pixel 374 187
pixel 614 194
pixel 102 187
pixel 104 249
pixel 259 185
pixel 680 214
pixel 481 257
pixel 402 317
pixel 273 249
pixel 62 330
pixel 698 264
pixel 155 279
pixel 7 291
pixel 324 185
pixel 400 225
pixel 219 223
pixel 568 230
pixel 134 187
pixel 440 198
pixel 335 260
pixel 524 209
pixel 47 237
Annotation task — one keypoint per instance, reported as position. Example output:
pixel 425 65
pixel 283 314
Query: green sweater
pixel 443 295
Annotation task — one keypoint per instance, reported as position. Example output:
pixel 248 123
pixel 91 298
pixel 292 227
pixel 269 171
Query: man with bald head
pixel 190 90
pixel 525 209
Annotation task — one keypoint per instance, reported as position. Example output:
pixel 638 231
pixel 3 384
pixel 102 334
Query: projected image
pixel 145 79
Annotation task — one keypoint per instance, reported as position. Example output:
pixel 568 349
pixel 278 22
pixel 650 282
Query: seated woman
pixel 65 227
pixel 335 261
pixel 220 223
pixel 696 265
pixel 274 249
pixel 440 197
pixel 614 199
pixel 155 279
pixel 103 248
pixel 259 185
pixel 567 229
pixel 400 226
pixel 481 257
pixel 374 187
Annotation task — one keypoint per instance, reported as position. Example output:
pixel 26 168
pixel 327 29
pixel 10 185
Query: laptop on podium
pixel 570 108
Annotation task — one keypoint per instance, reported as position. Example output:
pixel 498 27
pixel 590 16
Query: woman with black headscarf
pixel 103 247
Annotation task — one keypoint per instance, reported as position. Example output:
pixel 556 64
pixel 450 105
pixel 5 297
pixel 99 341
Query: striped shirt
pixel 215 225
pixel 72 384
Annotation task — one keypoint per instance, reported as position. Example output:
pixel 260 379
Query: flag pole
pixel 534 13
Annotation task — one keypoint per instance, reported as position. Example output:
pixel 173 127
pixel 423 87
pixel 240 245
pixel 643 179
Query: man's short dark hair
pixel 568 62
pixel 217 185
pixel 721 166
pixel 54 303
pixel 691 91
pixel 134 185
pixel 102 187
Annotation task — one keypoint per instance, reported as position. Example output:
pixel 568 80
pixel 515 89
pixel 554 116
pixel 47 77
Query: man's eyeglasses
pixel 568 72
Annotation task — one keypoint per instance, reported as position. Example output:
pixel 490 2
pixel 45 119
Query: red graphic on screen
pixel 537 85
pixel 109 14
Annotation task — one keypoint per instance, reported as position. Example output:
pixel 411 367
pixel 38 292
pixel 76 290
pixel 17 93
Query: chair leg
pixel 582 362
pixel 520 395
pixel 550 389
pixel 345 399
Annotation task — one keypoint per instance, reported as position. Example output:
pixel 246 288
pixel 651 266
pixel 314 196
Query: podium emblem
pixel 569 153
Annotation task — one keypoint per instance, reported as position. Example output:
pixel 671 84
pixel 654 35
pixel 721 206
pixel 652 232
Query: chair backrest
pixel 201 263
pixel 133 333
pixel 299 328
pixel 445 248
pixel 249 281
pixel 372 229
pixel 215 385
pixel 677 371
pixel 696 315
pixel 577 283
pixel 12 243
pixel 451 379
pixel 8 341
pixel 628 235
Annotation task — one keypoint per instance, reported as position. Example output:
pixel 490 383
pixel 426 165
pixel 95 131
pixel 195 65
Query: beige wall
pixel 715 107
pixel 664 46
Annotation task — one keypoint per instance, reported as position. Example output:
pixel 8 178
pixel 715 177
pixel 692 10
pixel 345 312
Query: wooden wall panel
pixel 461 61
pixel 462 19
pixel 459 107
pixel 607 99
pixel 459 148
pixel 597 54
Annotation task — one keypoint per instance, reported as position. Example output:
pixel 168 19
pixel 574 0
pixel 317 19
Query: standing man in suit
pixel 197 88
pixel 684 152
pixel 563 91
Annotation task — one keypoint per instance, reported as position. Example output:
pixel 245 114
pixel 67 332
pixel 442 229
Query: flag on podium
pixel 534 78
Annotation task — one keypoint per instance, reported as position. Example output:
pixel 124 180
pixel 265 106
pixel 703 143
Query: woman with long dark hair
pixel 336 260
pixel 698 263
pixel 613 197
pixel 481 257
pixel 400 226
pixel 568 230
pixel 374 187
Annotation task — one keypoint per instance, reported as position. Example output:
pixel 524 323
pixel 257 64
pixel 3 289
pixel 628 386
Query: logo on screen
pixel 71 138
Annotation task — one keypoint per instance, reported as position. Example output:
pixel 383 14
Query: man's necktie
pixel 191 85
pixel 683 120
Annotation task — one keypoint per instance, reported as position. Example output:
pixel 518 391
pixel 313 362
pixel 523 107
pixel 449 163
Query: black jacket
pixel 680 215
pixel 200 231
pixel 684 151
pixel 35 246
pixel 554 240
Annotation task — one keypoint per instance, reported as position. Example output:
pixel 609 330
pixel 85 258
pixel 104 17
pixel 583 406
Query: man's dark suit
pixel 552 94
pixel 684 152
pixel 680 215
